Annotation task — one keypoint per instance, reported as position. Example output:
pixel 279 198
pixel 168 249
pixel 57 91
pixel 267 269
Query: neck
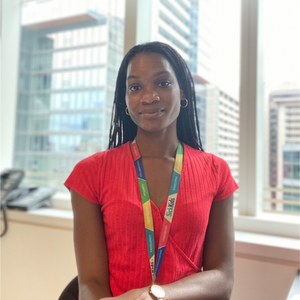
pixel 156 145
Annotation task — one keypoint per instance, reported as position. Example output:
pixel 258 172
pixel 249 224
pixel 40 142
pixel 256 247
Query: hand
pixel 136 294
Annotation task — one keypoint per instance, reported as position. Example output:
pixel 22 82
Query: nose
pixel 150 96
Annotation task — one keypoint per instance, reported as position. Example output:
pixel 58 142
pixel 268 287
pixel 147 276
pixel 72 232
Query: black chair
pixel 71 291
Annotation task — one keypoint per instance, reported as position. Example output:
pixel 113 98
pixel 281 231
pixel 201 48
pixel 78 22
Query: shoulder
pixel 204 161
pixel 213 169
pixel 203 157
pixel 101 158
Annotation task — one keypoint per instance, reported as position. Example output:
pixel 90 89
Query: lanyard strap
pixel 147 211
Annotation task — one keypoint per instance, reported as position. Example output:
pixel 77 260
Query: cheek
pixel 178 106
pixel 177 109
pixel 130 101
pixel 177 100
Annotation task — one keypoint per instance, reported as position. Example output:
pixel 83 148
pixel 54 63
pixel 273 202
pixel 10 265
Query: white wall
pixel 262 280
pixel 38 261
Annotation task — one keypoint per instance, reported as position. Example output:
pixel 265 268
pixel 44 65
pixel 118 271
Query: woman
pixel 128 246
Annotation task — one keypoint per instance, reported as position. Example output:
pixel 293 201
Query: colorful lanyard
pixel 148 219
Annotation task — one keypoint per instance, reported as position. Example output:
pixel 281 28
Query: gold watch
pixel 157 291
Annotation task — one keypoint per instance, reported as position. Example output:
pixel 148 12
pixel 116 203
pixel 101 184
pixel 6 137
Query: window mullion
pixel 130 28
pixel 250 181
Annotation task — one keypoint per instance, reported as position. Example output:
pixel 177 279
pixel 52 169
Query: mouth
pixel 152 113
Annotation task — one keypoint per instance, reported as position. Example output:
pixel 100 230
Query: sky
pixel 281 42
pixel 225 28
pixel 280 21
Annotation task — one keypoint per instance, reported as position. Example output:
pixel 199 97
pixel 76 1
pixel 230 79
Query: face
pixel 152 93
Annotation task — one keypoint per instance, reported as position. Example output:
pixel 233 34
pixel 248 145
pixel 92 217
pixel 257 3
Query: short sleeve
pixel 84 179
pixel 226 185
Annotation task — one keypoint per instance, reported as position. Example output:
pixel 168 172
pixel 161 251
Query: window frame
pixel 249 215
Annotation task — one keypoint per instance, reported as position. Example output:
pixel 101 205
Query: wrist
pixel 157 292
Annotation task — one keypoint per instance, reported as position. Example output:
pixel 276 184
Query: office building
pixel 201 35
pixel 201 98
pixel 182 24
pixel 69 58
pixel 284 149
pixel 219 123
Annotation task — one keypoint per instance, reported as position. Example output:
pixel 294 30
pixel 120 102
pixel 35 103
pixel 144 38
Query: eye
pixel 134 88
pixel 164 83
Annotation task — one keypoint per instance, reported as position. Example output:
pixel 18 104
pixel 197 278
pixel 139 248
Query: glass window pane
pixel 207 35
pixel 281 81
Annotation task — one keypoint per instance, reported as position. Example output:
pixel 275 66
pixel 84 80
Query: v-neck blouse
pixel 109 179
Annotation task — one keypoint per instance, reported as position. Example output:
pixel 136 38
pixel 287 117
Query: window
pixel 281 98
pixel 59 124
pixel 62 85
pixel 259 137
pixel 206 34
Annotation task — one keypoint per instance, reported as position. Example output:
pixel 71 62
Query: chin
pixel 155 126
pixel 158 129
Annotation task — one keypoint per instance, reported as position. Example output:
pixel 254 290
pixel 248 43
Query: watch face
pixel 157 291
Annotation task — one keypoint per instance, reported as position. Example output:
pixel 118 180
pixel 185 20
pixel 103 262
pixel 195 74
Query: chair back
pixel 71 291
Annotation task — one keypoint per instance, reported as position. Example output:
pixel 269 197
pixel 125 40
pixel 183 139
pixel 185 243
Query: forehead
pixel 148 62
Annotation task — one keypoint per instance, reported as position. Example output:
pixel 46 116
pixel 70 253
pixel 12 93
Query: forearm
pixel 209 285
pixel 212 284
pixel 92 290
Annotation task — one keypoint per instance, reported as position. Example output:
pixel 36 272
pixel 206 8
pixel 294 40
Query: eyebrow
pixel 155 75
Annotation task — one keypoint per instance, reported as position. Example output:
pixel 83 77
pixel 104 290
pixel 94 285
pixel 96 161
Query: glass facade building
pixel 291 176
pixel 68 69
pixel 219 123
pixel 284 150
pixel 69 58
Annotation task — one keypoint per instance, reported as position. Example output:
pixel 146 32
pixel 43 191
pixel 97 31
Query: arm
pixel 216 280
pixel 90 249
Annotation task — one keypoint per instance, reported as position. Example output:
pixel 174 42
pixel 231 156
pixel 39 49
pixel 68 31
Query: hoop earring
pixel 186 103
pixel 126 111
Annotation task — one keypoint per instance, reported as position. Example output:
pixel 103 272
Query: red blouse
pixel 109 179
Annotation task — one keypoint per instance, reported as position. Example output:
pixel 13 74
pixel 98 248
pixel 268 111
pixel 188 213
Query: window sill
pixel 52 217
pixel 260 244
pixel 267 248
pixel 269 224
pixel 60 215
pixel 265 223
pixel 61 200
